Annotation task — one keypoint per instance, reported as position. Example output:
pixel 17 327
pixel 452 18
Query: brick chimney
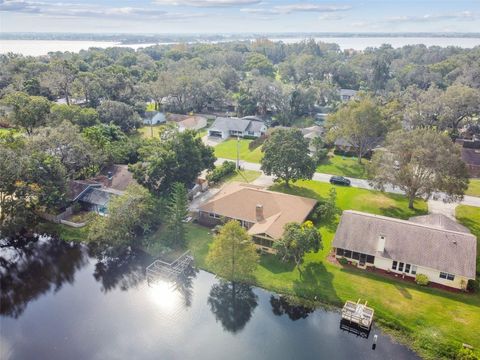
pixel 259 212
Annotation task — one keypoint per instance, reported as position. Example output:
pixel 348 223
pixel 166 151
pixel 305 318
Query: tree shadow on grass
pixel 274 265
pixel 403 290
pixel 315 282
pixel 399 213
pixel 295 190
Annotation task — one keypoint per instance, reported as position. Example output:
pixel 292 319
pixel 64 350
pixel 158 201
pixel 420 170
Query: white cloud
pixel 309 7
pixel 460 16
pixel 291 8
pixel 208 3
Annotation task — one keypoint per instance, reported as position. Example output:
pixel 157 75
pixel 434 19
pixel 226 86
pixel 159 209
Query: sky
pixel 238 16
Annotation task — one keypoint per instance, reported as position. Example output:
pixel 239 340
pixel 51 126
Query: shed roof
pixel 410 242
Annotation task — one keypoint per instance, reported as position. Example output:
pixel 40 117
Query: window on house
pixel 414 270
pixel 213 215
pixel 356 256
pixel 407 268
pixel 339 252
pixel 394 265
pixel 400 266
pixel 370 259
pixel 447 276
pixel 347 253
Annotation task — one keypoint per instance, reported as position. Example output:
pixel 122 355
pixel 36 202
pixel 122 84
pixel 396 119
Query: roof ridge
pixel 430 227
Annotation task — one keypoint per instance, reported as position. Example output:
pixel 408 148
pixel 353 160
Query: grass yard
pixel 246 176
pixel 473 188
pixel 345 166
pixel 432 321
pixel 470 217
pixel 374 202
pixel 64 232
pixel 228 150
pixel 146 131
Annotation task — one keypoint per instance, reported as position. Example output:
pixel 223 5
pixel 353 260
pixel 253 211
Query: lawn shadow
pixel 399 213
pixel 404 291
pixel 274 265
pixel 315 282
pixel 295 190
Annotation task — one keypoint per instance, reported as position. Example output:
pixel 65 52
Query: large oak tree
pixel 287 156
pixel 420 162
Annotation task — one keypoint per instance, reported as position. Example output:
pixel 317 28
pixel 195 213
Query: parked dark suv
pixel 339 180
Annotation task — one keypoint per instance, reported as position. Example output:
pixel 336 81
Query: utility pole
pixel 238 153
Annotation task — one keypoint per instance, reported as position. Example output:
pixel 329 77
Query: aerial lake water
pixel 43 47
pixel 58 302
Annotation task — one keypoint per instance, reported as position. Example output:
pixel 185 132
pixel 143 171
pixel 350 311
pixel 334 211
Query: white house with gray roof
pixel 225 127
pixel 433 245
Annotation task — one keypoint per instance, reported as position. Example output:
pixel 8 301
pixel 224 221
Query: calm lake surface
pixel 43 47
pixel 57 302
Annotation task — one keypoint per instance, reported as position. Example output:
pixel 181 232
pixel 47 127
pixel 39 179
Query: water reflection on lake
pixel 57 302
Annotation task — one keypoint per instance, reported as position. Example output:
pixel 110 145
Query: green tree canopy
pixel 130 216
pixel 232 254
pixel 287 156
pixel 420 162
pixel 358 122
pixel 77 115
pixel 180 158
pixel 297 240
pixel 119 113
pixel 177 212
pixel 29 112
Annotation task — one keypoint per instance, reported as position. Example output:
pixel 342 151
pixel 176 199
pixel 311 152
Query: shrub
pixel 256 143
pixel 473 285
pixel 220 172
pixel 421 279
pixel 466 354
pixel 343 261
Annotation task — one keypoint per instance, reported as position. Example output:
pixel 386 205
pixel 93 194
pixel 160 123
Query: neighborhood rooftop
pixel 231 124
pixel 241 201
pixel 409 241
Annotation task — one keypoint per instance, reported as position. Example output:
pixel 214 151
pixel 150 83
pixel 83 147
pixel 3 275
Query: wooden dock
pixel 169 271
pixel 358 313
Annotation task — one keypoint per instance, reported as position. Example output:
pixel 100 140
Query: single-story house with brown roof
pixel 433 245
pixel 95 194
pixel 263 213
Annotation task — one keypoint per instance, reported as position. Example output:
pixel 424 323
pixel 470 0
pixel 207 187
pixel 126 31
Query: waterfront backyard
pixel 436 322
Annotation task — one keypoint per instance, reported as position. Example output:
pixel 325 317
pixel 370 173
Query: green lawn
pixel 473 188
pixel 64 232
pixel 244 176
pixel 345 166
pixel 146 131
pixel 470 217
pixel 374 202
pixel 228 150
pixel 432 321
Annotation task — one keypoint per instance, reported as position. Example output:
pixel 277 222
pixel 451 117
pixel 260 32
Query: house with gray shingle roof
pixel 431 245
pixel 224 127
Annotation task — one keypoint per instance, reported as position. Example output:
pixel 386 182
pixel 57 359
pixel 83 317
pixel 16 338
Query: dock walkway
pixel 358 313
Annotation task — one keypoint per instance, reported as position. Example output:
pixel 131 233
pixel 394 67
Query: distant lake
pixel 58 302
pixel 43 47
